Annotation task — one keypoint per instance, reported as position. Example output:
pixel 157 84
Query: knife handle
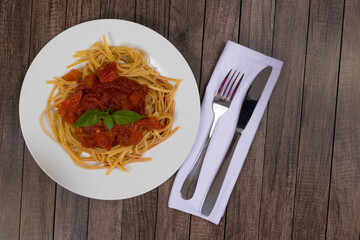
pixel 215 187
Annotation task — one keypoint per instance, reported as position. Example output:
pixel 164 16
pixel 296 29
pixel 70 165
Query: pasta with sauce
pixel 114 78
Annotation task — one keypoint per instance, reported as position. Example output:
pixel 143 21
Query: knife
pixel 251 99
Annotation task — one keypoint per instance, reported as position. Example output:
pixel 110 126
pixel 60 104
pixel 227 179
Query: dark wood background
pixel 301 179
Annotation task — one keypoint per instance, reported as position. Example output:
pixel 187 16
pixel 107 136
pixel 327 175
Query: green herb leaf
pixel 108 122
pixel 93 117
pixel 107 111
pixel 125 116
pixel 89 118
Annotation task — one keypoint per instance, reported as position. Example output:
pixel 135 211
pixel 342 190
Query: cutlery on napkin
pixel 248 106
pixel 250 62
pixel 222 101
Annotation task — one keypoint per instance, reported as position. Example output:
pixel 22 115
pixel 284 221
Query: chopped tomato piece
pixel 95 136
pixel 156 124
pixel 73 75
pixel 108 72
pixel 84 136
pixel 138 95
pixel 72 102
pixel 127 105
pixel 68 107
pixel 127 134
pixel 89 80
pixel 135 137
pixel 68 117
pixel 135 97
pixel 149 124
pixel 104 139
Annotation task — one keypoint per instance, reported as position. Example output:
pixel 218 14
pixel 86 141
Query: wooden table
pixel 301 179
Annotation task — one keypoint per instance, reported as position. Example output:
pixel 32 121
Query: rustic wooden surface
pixel 301 179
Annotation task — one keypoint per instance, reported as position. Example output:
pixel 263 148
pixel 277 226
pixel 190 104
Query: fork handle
pixel 189 185
pixel 218 181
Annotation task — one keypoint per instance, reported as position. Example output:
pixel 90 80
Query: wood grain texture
pixel 185 32
pixel 153 14
pixel 123 9
pixel 82 11
pixel 221 24
pixel 14 56
pixel 38 193
pixel 38 202
pixel 139 217
pixel 344 205
pixel 243 210
pixel 71 215
pixel 72 210
pixel 283 123
pixel 318 117
pixel 139 213
pixel 105 217
pixel 170 223
pixel 242 221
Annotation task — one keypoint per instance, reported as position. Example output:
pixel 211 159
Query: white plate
pixel 167 157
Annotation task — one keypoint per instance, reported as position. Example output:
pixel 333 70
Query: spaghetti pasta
pixel 132 64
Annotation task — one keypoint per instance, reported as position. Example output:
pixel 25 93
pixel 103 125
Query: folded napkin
pixel 250 63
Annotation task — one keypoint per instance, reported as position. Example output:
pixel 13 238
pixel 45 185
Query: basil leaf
pixel 125 116
pixel 109 123
pixel 107 111
pixel 93 117
pixel 89 118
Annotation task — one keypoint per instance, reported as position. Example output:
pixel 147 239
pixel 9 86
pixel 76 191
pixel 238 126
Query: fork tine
pixel 222 84
pixel 223 95
pixel 231 87
pixel 236 87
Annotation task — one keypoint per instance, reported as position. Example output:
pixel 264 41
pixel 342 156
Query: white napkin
pixel 250 63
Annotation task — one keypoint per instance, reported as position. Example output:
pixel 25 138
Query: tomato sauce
pixel 107 90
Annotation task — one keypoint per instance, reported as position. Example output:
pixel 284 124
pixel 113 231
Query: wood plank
pixel 113 9
pixel 344 208
pixel 14 57
pixel 71 215
pixel 38 193
pixel 170 223
pixel 242 221
pixel 71 212
pixel 221 24
pixel 38 202
pixel 283 123
pixel 185 32
pixel 139 216
pixel 139 213
pixel 153 14
pixel 317 121
pixel 82 11
pixel 105 217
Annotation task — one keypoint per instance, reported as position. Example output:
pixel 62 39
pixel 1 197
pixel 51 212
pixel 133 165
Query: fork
pixel 221 103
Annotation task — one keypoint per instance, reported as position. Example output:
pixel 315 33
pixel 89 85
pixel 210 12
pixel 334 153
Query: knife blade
pixel 251 99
